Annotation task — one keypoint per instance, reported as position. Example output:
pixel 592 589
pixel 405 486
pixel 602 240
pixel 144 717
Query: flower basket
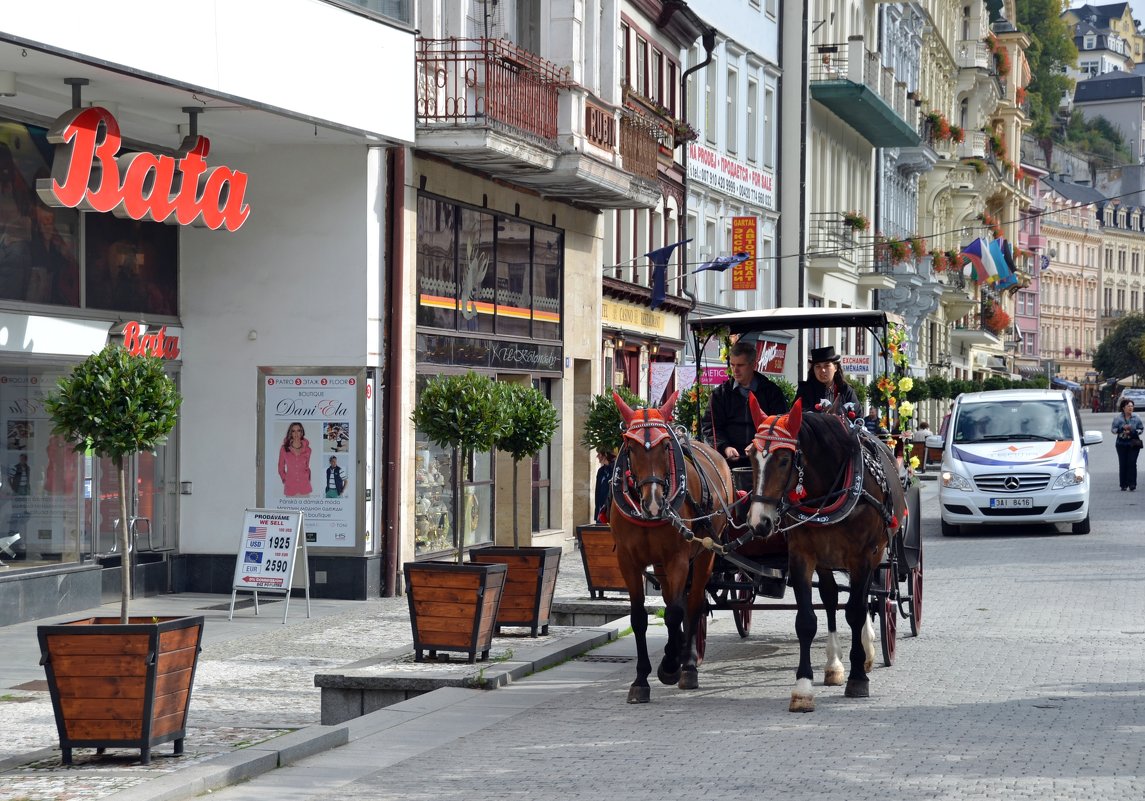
pixel 855 221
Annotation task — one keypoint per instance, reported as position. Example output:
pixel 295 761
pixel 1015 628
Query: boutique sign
pixel 88 173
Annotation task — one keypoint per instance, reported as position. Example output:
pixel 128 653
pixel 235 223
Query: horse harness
pixel 847 488
pixel 649 431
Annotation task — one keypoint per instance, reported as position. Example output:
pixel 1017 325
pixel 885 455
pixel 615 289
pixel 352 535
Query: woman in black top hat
pixel 825 383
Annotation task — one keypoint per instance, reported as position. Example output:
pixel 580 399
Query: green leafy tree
pixel 1122 352
pixel 603 427
pixel 461 412
pixel 1097 137
pixel 1051 49
pixel 116 404
pixel 531 422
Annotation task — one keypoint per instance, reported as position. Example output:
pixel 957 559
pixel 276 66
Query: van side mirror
pixel 1091 438
pixel 936 441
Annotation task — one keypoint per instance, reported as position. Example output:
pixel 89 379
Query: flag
pixel 998 255
pixel 659 259
pixel 979 261
pixel 721 263
pixel 1008 259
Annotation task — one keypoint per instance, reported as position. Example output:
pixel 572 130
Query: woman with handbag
pixel 1127 426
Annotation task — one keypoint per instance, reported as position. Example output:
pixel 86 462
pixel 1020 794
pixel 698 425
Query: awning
pixel 1063 383
pixel 1131 381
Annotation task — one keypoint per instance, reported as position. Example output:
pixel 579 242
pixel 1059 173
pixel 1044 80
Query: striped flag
pixel 979 262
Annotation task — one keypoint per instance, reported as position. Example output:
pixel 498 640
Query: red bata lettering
pixel 156 344
pixel 88 174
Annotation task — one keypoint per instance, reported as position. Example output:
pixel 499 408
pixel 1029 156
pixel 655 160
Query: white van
pixel 1014 457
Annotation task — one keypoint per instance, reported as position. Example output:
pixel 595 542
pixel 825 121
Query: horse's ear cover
pixel 757 415
pixel 795 417
pixel 625 410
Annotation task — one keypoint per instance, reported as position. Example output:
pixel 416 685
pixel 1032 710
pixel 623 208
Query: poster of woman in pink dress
pixel 294 461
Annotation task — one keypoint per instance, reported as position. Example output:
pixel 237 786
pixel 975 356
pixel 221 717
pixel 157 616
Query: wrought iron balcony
pixel 832 245
pixel 852 82
pixel 489 105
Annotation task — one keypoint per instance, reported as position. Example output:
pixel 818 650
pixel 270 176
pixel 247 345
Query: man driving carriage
pixel 728 425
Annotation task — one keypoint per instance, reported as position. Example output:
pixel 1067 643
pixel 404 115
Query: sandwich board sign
pixel 267 560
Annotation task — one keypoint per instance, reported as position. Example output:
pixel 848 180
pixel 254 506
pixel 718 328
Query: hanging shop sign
pixel 88 173
pixel 162 342
pixel 744 231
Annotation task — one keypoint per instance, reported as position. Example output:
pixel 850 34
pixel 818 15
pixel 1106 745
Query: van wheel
pixel 949 529
pixel 1081 527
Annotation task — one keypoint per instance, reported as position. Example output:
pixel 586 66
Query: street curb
pixel 239 766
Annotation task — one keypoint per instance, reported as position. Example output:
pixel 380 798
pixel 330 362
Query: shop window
pixel 126 265
pixel 131 266
pixel 542 474
pixel 438 516
pixel 484 273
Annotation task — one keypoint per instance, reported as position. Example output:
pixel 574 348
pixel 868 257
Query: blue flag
pixel 659 259
pixel 721 263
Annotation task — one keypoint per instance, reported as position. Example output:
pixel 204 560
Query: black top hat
pixel 826 354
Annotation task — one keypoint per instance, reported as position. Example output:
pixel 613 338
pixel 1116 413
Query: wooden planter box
pixel 532 581
pixel 117 685
pixel 453 607
pixel 601 567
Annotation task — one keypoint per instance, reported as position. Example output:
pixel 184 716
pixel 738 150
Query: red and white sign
pixel 88 173
pixel 744 241
pixel 141 342
pixel 733 177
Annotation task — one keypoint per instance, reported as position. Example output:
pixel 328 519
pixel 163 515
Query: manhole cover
pixel 616 659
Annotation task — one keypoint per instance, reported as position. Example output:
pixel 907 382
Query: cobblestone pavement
pixel 254 682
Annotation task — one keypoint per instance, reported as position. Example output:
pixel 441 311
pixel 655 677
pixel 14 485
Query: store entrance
pixel 151 485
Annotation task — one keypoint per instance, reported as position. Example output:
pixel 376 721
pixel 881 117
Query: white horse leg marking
pixel 833 672
pixel 868 644
pixel 802 697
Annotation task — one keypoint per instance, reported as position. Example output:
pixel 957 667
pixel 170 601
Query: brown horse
pixel 664 486
pixel 837 494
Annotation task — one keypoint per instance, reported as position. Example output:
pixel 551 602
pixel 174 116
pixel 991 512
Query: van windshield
pixel 1013 420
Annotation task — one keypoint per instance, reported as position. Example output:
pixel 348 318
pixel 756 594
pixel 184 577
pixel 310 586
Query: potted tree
pixel 453 606
pixel 603 429
pixel 531 422
pixel 122 682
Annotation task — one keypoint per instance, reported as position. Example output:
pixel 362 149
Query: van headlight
pixel 951 480
pixel 1070 478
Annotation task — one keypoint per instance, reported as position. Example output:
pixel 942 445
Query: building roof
pixel 1076 193
pixel 1099 15
pixel 1116 85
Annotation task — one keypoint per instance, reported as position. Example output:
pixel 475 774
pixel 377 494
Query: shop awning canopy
pixel 1131 381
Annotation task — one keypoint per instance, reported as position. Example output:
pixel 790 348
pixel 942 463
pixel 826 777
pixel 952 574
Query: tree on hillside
pixel 1096 137
pixel 1051 49
pixel 1122 353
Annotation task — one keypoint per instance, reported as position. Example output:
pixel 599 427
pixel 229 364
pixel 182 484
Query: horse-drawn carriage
pixel 822 497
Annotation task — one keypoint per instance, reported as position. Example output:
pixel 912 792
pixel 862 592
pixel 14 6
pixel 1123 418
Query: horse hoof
pixel 689 680
pixel 833 677
pixel 858 688
pixel 666 677
pixel 801 703
pixel 639 695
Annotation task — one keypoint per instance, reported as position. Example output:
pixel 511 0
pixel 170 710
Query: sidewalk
pixel 255 705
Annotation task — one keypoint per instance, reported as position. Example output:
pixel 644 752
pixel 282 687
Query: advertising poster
pixel 310 452
pixel 744 241
pixel 38 470
pixel 267 550
pixel 858 366
pixel 772 356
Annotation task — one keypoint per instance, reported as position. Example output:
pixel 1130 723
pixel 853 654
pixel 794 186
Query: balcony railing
pixel 854 84
pixel 487 82
pixel 827 235
pixel 973 54
pixel 640 144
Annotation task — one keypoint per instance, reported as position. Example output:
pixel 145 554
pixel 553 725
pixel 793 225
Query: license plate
pixel 1011 503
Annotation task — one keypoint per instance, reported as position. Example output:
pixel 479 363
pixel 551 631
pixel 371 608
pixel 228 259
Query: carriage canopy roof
pixel 791 318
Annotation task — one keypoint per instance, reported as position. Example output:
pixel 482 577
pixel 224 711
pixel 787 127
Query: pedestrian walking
pixel 1127 426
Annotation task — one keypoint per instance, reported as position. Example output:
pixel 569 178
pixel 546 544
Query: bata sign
pixel 161 343
pixel 88 173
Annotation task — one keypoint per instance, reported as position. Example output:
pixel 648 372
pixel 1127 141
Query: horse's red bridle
pixel 778 431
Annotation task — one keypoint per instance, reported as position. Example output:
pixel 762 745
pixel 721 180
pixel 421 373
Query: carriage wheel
pixel 701 638
pixel 887 612
pixel 742 616
pixel 916 597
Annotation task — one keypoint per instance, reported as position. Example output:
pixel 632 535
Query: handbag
pixel 1136 442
